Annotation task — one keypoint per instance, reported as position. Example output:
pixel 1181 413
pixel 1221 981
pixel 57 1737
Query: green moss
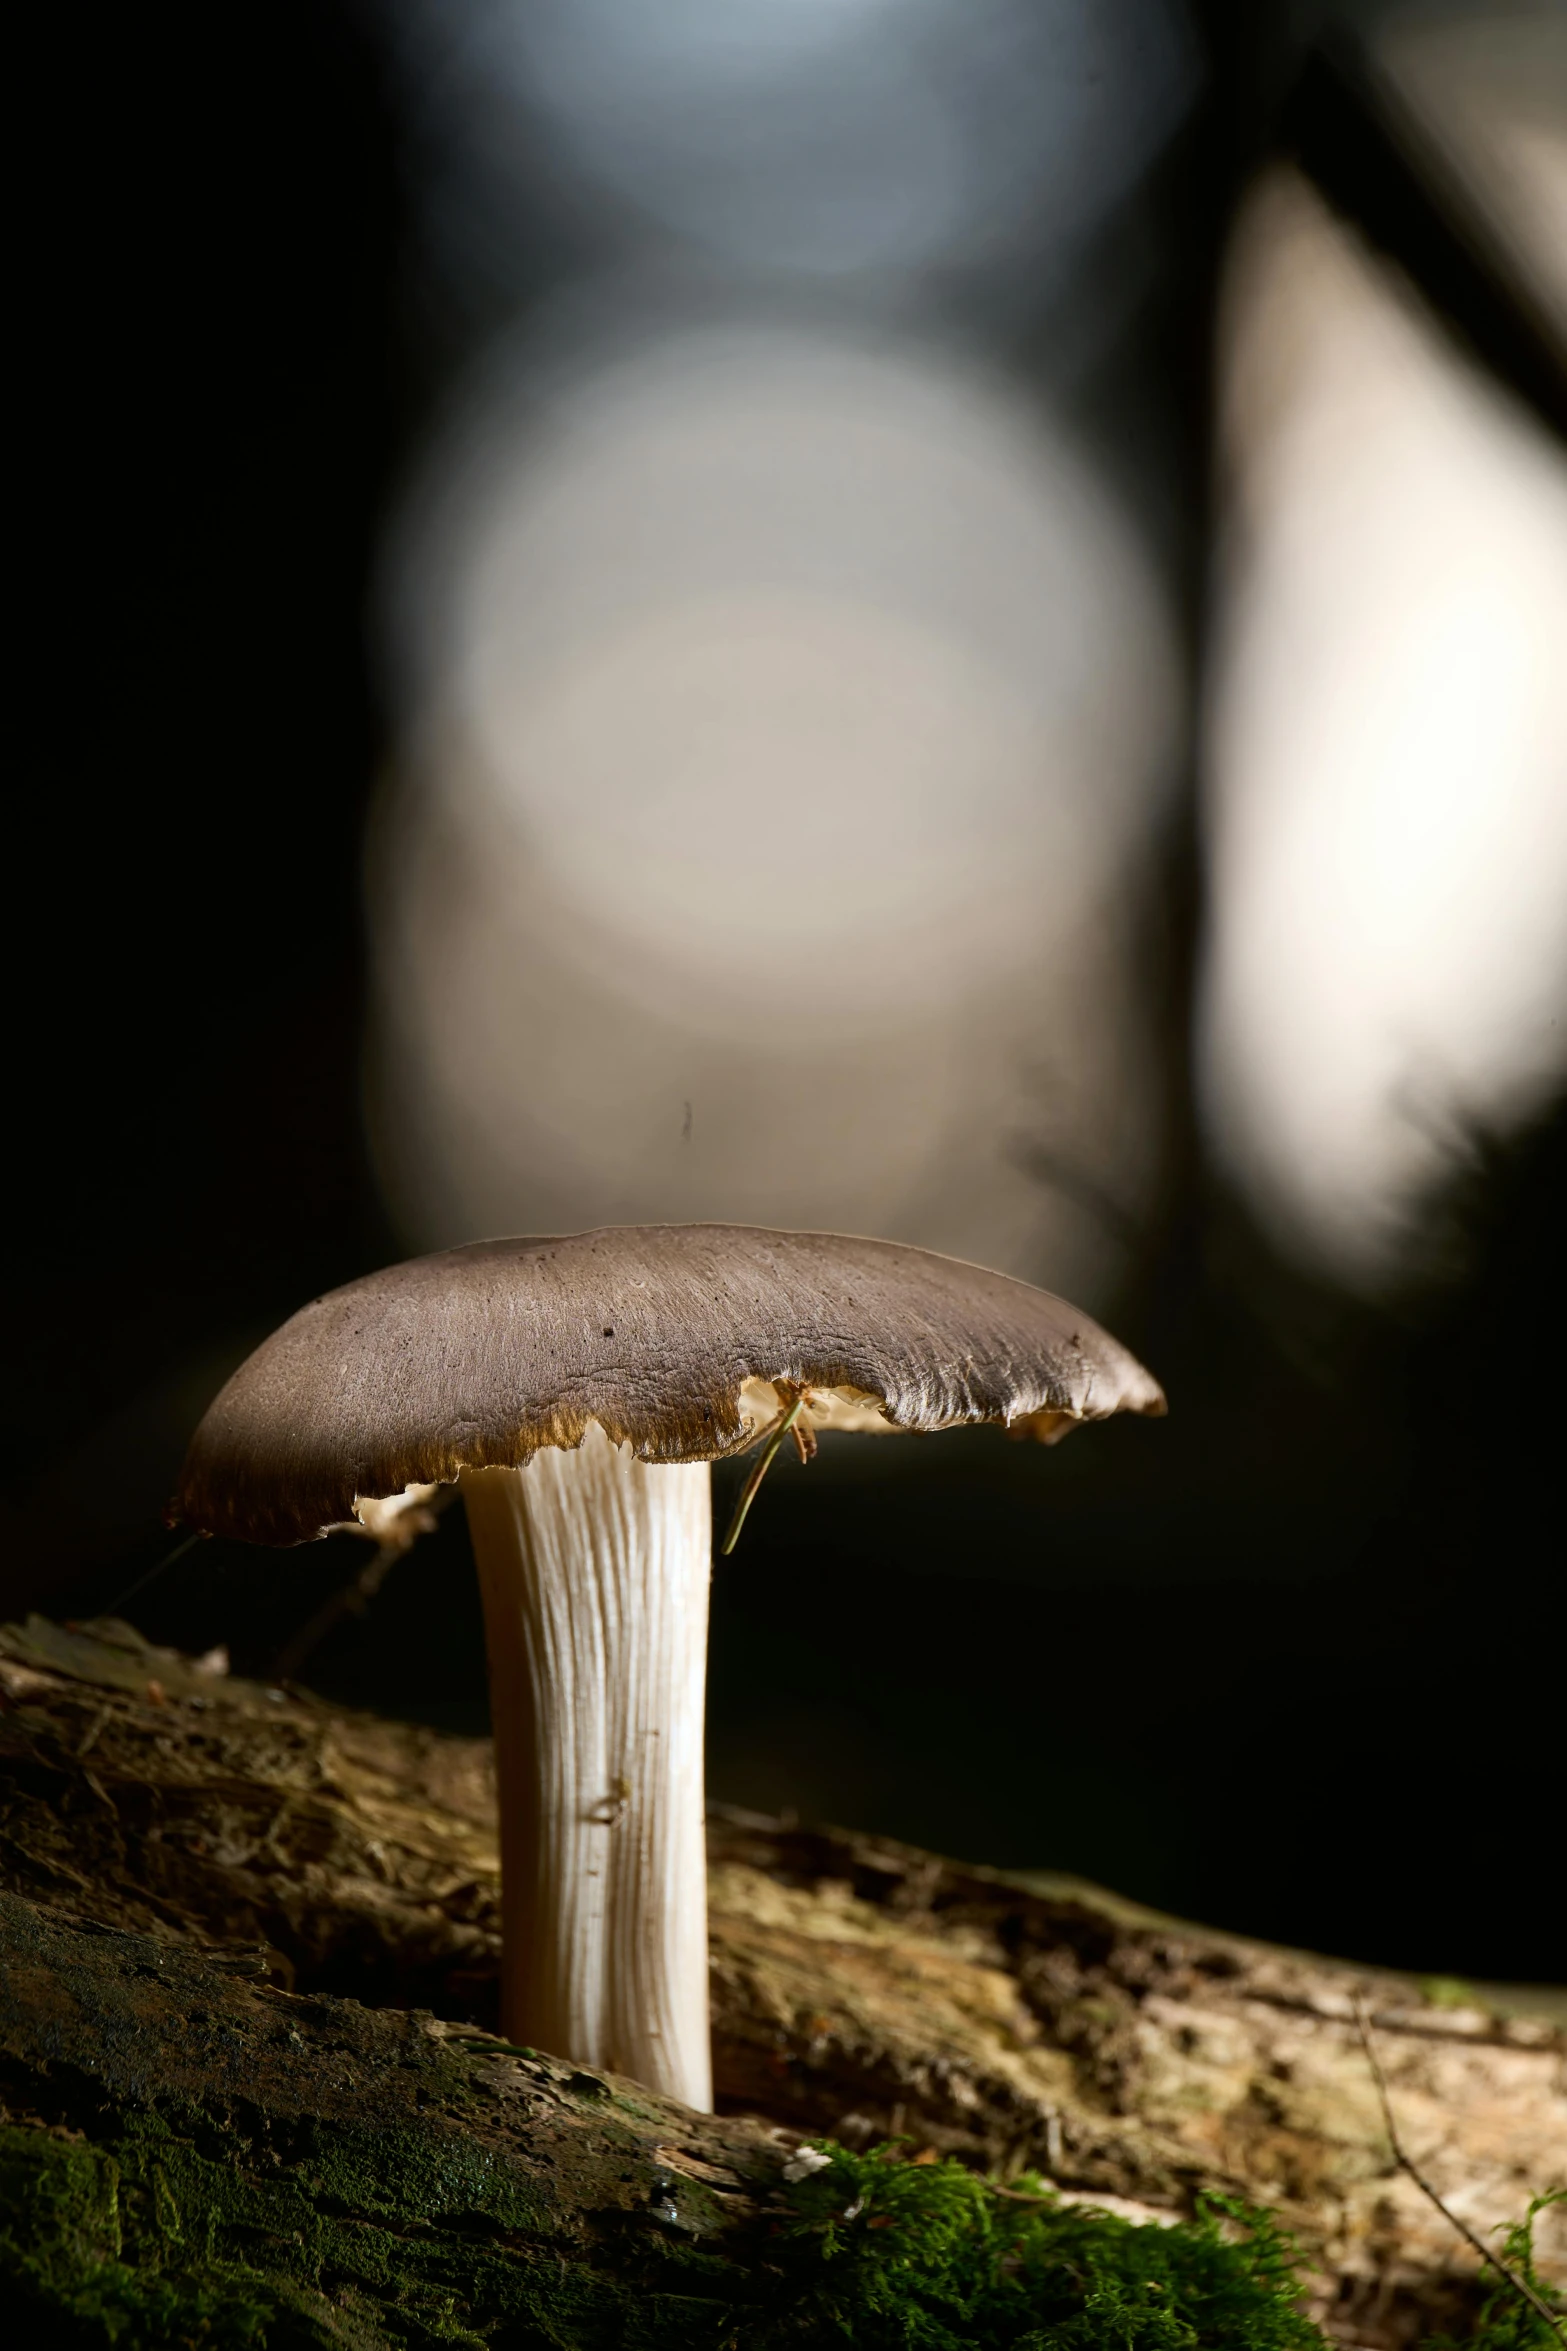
pixel 930 2258
pixel 1447 1991
pixel 375 2241
pixel 361 2240
pixel 1506 2322
pixel 155 2246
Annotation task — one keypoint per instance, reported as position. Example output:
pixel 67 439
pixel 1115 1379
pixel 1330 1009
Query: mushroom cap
pixel 666 1335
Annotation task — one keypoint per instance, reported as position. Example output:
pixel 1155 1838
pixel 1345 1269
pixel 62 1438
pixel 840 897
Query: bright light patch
pixel 1387 753
pixel 784 722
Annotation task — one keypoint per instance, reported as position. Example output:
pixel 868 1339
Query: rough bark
pixel 191 2155
pixel 240 1915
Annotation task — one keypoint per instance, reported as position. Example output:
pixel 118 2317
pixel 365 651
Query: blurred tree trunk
pixel 244 1924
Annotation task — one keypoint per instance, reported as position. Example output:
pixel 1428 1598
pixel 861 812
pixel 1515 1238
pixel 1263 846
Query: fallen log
pixel 201 1868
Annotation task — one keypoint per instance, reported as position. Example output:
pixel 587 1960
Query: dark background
pixel 1290 1661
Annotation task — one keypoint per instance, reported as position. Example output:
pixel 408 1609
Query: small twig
pixel 781 1427
pixel 350 1599
pixel 113 1607
pixel 1520 2286
pixel 354 1597
pixel 90 1736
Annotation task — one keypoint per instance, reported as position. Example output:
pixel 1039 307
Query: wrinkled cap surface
pixel 679 1340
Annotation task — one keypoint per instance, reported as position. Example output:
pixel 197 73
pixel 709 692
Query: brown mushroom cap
pixel 477 1357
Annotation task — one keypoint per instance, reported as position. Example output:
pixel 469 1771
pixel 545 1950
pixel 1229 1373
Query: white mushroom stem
pixel 594 1569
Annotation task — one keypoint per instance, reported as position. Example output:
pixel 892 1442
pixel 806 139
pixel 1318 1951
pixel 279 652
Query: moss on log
pixel 196 2156
pixel 250 1957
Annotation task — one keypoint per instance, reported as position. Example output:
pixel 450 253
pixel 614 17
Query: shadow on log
pixel 249 1960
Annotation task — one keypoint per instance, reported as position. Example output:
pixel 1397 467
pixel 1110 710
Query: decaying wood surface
pixel 861 1989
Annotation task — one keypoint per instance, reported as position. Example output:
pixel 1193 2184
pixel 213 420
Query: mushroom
pixel 576 1389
